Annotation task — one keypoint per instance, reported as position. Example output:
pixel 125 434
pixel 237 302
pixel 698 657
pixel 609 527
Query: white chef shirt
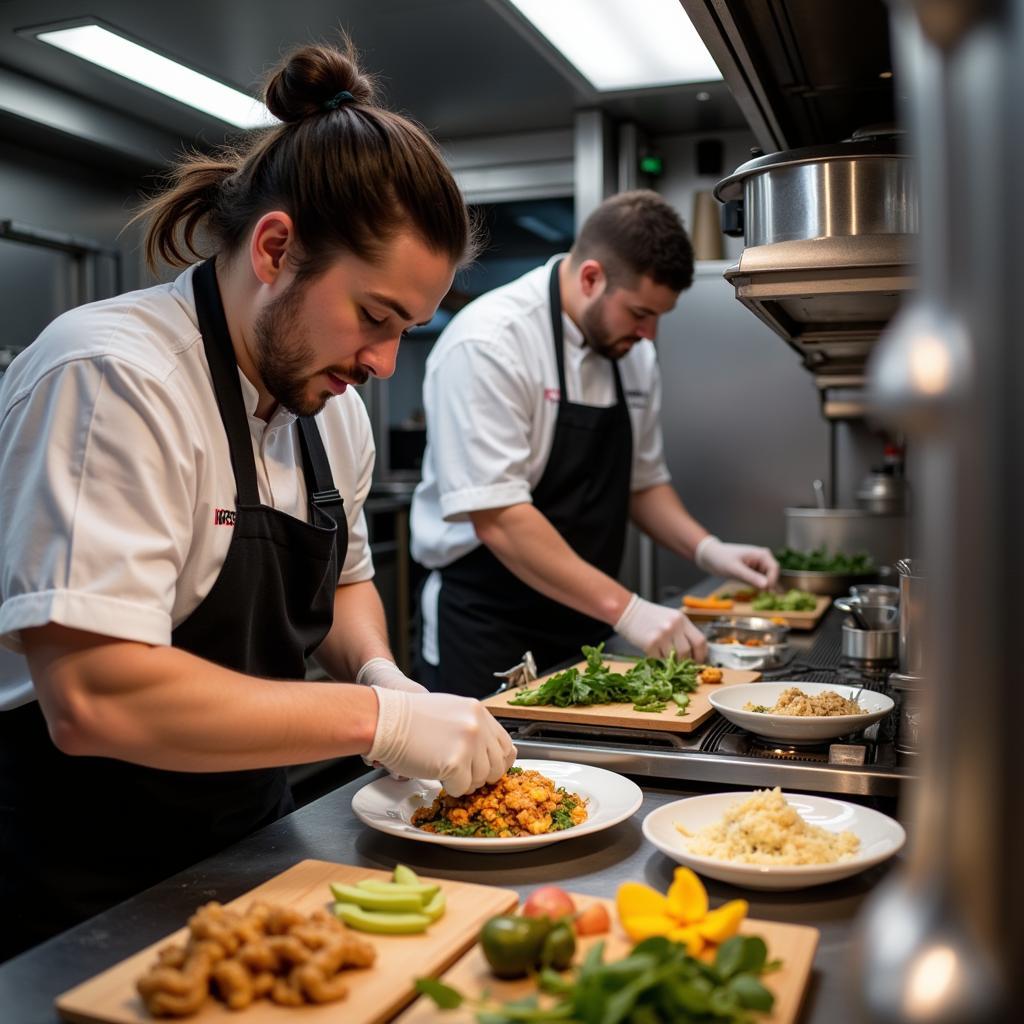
pixel 491 397
pixel 115 467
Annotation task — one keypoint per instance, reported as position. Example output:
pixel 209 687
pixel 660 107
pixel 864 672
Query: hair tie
pixel 338 98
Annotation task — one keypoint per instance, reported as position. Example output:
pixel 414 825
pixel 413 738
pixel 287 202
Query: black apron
pixel 78 834
pixel 486 616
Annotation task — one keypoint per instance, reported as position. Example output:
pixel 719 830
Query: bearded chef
pixel 542 401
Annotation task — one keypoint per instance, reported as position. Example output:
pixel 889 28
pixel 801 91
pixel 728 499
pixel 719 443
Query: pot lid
pixel 880 143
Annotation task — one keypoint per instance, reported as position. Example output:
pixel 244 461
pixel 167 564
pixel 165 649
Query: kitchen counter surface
pixel 326 829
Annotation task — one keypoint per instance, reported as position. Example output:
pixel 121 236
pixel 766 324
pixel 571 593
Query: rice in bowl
pixel 793 701
pixel 764 829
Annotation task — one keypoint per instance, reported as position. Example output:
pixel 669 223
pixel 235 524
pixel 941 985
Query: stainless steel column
pixel 942 941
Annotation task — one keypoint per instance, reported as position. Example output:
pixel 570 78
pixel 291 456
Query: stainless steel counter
pixel 326 829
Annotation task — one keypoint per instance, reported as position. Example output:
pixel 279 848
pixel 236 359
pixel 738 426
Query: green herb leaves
pixel 649 685
pixel 819 560
pixel 658 983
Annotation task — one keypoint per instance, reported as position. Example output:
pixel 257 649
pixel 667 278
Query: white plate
pixel 880 837
pixel 729 702
pixel 387 805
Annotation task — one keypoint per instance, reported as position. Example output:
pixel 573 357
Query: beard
pixel 283 356
pixel 600 338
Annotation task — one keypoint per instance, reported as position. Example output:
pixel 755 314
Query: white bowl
pixel 387 805
pixel 729 702
pixel 880 837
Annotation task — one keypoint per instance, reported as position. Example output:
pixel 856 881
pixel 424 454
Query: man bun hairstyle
pixel 635 234
pixel 350 173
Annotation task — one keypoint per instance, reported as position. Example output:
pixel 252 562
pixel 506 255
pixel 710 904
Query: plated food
pixel 765 829
pixel 789 727
pixel 523 802
pixel 389 806
pixel 794 701
pixel 769 840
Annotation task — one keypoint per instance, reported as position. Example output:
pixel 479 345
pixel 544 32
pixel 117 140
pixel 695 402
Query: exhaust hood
pixel 829 235
pixel 829 226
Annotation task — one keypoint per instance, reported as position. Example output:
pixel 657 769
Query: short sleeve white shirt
pixel 117 475
pixel 491 395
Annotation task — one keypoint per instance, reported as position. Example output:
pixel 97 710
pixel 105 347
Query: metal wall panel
pixel 744 436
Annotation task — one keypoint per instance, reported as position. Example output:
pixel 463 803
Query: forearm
pixel 166 708
pixel 358 634
pixel 663 517
pixel 525 542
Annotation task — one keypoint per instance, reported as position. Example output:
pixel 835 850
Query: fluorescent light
pixel 624 44
pixel 123 57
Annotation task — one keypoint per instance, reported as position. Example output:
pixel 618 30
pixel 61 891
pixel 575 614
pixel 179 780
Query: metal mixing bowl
pixel 834 584
pixel 747 627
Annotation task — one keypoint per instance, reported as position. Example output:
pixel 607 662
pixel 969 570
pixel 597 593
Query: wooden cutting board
pixel 795 620
pixel 621 715
pixel 375 993
pixel 793 944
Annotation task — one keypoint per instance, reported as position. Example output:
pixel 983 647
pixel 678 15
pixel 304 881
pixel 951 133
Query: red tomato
pixel 593 921
pixel 549 901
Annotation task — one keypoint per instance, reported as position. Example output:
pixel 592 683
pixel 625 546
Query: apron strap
pixel 226 386
pixel 558 334
pixel 324 495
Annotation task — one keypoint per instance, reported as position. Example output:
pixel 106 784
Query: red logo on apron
pixel 552 394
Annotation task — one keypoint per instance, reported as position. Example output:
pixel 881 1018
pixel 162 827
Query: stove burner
pixel 776 751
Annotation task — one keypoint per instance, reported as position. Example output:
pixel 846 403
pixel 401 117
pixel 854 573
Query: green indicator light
pixel 651 164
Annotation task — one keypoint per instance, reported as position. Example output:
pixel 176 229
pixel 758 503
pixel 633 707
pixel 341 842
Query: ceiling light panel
pixel 130 60
pixel 624 44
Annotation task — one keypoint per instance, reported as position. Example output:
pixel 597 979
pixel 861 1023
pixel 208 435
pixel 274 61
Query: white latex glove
pixel 756 566
pixel 382 672
pixel 440 736
pixel 656 630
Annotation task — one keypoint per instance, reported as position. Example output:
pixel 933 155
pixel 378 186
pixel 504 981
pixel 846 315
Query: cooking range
pixel 871 764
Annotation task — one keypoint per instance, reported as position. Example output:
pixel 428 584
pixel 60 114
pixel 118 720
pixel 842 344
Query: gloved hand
pixel 440 736
pixel 756 566
pixel 656 630
pixel 382 672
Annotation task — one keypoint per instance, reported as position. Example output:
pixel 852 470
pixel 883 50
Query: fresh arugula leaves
pixel 649 685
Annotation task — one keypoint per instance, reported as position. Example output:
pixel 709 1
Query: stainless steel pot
pixel 908 729
pixel 846 529
pixel 882 494
pixel 863 187
pixel 876 593
pixel 913 584
pixel 869 644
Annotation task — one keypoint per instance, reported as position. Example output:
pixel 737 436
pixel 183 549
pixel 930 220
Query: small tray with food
pixel 797 609
pixel 747 643
pixel 284 945
pixel 573 957
pixel 533 804
pixel 764 839
pixel 668 694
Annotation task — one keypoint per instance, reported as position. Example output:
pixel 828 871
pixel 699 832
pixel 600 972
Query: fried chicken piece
pixel 278 952
pixel 234 983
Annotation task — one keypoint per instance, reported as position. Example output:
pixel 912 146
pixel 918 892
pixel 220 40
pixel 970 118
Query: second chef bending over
pixel 543 442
